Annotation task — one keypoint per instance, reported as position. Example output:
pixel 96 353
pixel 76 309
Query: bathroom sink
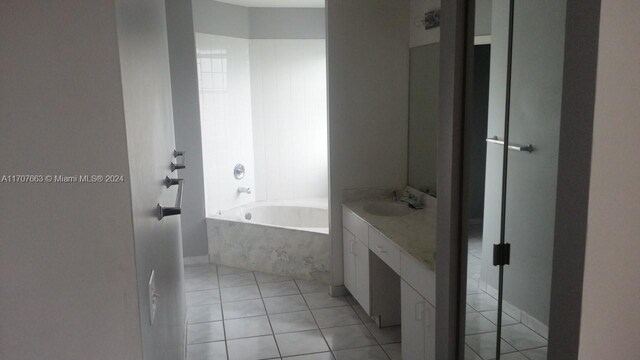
pixel 387 209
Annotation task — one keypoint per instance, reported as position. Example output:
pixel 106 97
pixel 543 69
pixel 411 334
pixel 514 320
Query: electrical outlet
pixel 153 297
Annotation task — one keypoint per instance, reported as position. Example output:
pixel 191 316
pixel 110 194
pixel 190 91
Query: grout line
pixel 316 321
pixel 224 328
pixel 273 334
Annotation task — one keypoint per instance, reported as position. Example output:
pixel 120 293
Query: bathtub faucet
pixel 242 189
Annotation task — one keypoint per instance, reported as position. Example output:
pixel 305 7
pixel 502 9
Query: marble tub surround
pixel 274 250
pixel 414 233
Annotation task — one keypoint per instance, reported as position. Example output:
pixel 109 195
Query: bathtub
pixel 288 238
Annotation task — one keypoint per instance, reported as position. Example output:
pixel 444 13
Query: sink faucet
pixel 242 189
pixel 412 200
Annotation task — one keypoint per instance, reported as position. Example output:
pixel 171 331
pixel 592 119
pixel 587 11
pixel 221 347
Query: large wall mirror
pixel 424 85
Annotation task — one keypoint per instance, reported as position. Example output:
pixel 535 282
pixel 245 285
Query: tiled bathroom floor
pixel 518 341
pixel 236 314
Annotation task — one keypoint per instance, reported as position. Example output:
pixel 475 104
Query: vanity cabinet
pixel 356 269
pixel 390 283
pixel 418 325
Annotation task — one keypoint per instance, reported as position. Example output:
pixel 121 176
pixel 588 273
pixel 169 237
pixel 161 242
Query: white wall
pixel 368 84
pixel 146 93
pixel 77 81
pixel 67 268
pixel 289 109
pixel 417 34
pixel 610 325
pixel 225 112
pixel 217 18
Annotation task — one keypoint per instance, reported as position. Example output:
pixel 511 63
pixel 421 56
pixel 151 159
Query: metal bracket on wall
pixel 175 166
pixel 163 211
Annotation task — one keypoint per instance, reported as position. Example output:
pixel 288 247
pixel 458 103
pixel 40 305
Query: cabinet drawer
pixel 353 223
pixel 385 249
pixel 419 277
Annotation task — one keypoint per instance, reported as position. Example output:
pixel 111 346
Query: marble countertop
pixel 414 233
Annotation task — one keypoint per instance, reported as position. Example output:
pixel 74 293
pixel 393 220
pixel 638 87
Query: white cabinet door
pixel 348 240
pixel 429 331
pixel 362 295
pixel 413 329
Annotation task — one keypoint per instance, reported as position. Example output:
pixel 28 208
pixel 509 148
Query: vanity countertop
pixel 414 233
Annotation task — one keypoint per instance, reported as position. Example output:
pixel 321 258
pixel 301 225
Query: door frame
pixel 574 167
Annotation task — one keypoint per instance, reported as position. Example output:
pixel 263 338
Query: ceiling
pixel 277 3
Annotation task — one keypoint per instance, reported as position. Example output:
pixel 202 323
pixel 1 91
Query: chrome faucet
pixel 412 200
pixel 242 189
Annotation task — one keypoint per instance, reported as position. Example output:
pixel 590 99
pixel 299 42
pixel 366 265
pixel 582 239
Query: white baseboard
pixel 196 260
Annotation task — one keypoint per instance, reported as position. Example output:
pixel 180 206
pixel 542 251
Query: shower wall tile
pixel 225 111
pixel 289 109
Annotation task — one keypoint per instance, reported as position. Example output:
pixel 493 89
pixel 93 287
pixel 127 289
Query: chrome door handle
pixel 496 140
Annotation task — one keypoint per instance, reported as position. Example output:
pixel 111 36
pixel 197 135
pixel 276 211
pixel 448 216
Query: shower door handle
pixel 496 140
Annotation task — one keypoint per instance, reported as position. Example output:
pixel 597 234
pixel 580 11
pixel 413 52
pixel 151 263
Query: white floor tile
pixel 298 343
pixel 513 356
pixel 205 332
pixel 201 283
pixel 262 347
pixel 248 292
pixel 203 297
pixel 292 322
pixel 482 302
pixel 241 309
pixel 247 327
pixel 485 345
pixel 475 323
pixel 492 315
pixel 336 316
pixel 394 351
pixel 536 354
pixel 279 289
pixel 369 352
pixel 235 280
pixel 469 354
pixel 521 337
pixel 316 356
pixel 307 286
pixel 207 351
pixel 348 337
pixel 324 300
pixel 283 304
pixel 205 313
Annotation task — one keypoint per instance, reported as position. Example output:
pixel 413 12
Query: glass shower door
pixel 510 249
pixel 533 123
